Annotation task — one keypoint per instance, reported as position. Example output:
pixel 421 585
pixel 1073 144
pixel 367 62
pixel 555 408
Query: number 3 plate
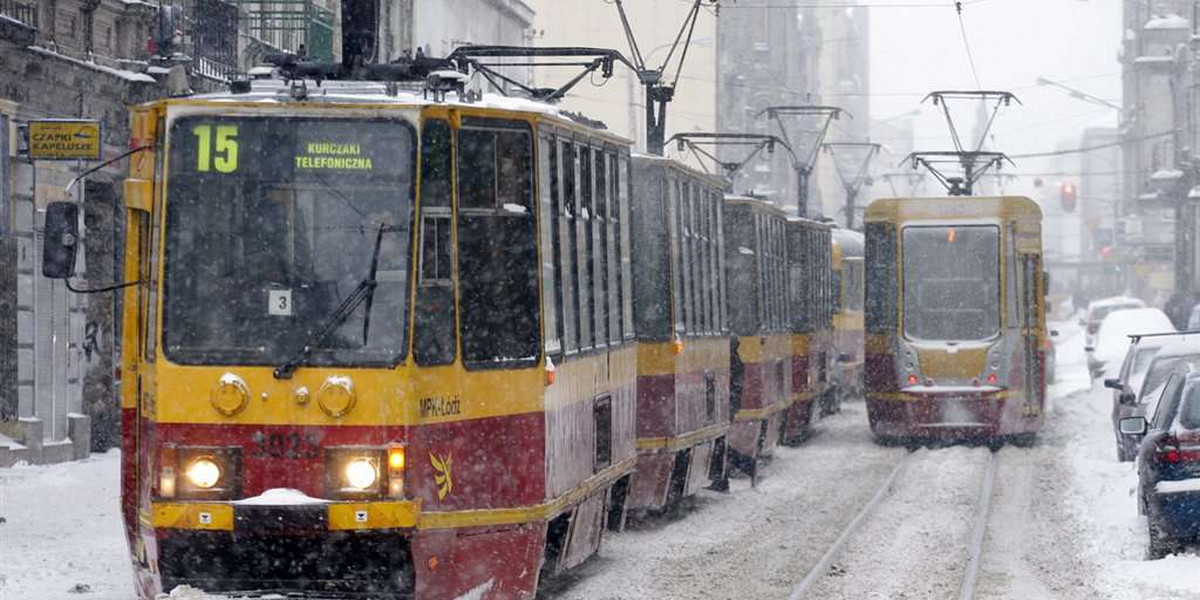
pixel 279 303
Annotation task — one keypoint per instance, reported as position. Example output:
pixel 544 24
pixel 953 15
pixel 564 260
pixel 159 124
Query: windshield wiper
pixel 363 292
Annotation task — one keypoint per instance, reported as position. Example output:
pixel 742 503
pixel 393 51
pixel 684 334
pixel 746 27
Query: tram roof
pixel 953 207
pixel 755 204
pixel 678 165
pixel 276 92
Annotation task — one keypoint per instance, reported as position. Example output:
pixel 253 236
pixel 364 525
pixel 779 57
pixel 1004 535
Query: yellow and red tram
pixel 955 319
pixel 378 344
pixel 810 325
pixel 848 280
pixel 679 317
pixel 756 256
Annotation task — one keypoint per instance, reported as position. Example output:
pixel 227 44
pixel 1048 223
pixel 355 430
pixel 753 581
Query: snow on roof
pixel 1194 193
pixel 126 75
pixel 1112 340
pixel 1169 21
pixel 1166 175
pixel 1154 60
pixel 1186 345
pixel 1115 301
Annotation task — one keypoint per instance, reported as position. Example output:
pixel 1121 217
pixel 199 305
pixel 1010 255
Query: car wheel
pixel 1160 544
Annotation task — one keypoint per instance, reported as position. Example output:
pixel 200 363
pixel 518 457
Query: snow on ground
pixel 61 538
pixel 1064 525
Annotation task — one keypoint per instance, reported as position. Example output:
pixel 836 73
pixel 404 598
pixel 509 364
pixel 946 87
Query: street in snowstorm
pixel 1062 524
pixel 599 300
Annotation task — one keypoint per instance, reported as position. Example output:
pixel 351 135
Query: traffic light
pixel 1066 194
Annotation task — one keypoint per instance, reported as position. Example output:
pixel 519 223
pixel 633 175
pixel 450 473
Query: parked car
pixel 1159 354
pixel 1169 464
pixel 1098 309
pixel 1112 339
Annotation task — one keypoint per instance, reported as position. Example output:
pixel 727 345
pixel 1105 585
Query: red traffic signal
pixel 1066 194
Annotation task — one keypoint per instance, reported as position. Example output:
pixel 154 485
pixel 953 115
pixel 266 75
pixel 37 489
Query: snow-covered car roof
pixel 1115 301
pixel 1112 340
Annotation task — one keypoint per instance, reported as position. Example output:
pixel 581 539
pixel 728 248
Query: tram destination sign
pixel 63 139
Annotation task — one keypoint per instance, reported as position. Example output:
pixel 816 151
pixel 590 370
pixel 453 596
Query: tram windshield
pixel 951 282
pixel 272 225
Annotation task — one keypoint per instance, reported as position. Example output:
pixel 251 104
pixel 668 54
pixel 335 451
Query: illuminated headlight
pixel 208 472
pixel 365 472
pixel 361 473
pixel 203 473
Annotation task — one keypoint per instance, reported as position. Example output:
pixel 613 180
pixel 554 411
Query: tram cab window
pixel 281 220
pixel 497 249
pixel 951 282
pixel 879 300
pixel 433 338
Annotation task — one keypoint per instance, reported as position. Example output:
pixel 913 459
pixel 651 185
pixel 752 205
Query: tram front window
pixel 272 224
pixel 951 282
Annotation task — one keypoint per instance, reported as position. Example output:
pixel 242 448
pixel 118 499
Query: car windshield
pixel 272 224
pixel 1142 357
pixel 1162 368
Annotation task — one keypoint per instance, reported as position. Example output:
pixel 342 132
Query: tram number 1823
pixel 285 445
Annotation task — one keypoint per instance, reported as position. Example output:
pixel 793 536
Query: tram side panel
pixel 757 296
pixel 682 358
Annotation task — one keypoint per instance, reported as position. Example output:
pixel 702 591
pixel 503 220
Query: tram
pixel 756 256
pixel 810 326
pixel 848 281
pixel 374 343
pixel 955 319
pixel 679 316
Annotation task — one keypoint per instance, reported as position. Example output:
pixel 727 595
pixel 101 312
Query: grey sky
pixel 915 50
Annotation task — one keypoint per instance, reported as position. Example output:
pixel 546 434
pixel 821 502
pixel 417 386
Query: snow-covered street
pixel 1062 524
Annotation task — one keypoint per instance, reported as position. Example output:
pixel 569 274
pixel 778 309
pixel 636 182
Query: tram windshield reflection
pixel 272 224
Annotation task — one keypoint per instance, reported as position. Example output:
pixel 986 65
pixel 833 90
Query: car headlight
pixel 361 473
pixel 203 473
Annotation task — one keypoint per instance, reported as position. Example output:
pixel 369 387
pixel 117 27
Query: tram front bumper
pixel 330 547
pixel 967 412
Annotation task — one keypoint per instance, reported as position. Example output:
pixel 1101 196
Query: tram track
pixel 827 579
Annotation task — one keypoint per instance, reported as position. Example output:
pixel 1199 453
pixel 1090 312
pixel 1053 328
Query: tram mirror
pixel 1113 384
pixel 1053 333
pixel 60 243
pixel 1132 426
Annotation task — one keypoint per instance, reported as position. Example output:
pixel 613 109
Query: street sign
pixel 61 139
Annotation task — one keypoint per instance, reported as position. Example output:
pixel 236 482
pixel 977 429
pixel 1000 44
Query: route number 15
pixel 226 160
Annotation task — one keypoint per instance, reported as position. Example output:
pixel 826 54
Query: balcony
pixel 18 22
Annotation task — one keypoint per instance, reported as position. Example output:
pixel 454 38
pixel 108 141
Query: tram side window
pixel 583 231
pixel 674 234
pixel 880 289
pixel 600 250
pixel 433 340
pixel 721 288
pixel 551 253
pixel 568 245
pixel 624 249
pixel 497 246
pixel 611 232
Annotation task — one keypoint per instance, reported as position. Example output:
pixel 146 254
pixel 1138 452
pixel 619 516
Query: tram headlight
pixel 361 473
pixel 203 473
pixel 365 472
